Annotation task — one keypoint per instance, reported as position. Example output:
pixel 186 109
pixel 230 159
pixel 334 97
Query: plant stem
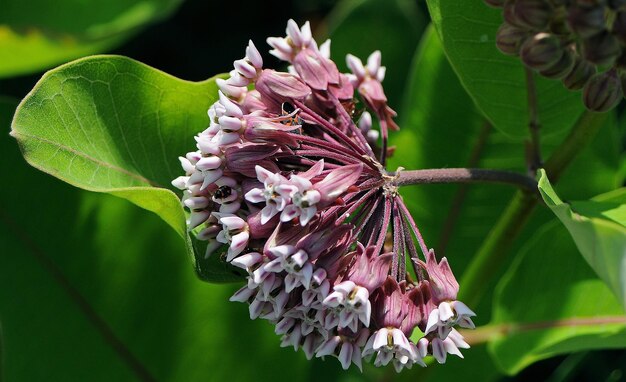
pixel 534 147
pixel 489 258
pixel 584 131
pixel 461 193
pixel 465 175
pixel 489 332
pixel 492 253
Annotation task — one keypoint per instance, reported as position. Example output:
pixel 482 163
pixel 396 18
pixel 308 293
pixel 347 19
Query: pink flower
pixel 286 182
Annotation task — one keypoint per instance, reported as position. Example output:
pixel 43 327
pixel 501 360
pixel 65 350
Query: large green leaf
pixel 37 34
pixel 94 289
pixel 398 25
pixel 442 128
pixel 110 124
pixel 551 303
pixel 496 82
pixel 598 227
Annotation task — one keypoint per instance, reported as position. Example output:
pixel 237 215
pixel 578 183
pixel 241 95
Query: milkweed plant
pixel 292 187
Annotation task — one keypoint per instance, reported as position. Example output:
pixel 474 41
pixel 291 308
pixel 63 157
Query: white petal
pixel 439 351
pixel 381 339
pixel 255 195
pixel 345 355
pixel 267 213
pixel 445 311
pixel 232 222
pixel 461 309
pixel 281 251
pixel 433 320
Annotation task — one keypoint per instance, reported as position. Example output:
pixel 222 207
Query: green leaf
pixel 93 288
pixel 350 26
pixel 549 303
pixel 110 124
pixel 496 82
pixel 38 34
pixel 598 227
pixel 442 128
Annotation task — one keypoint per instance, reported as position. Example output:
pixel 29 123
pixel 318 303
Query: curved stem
pixel 534 147
pixel 465 175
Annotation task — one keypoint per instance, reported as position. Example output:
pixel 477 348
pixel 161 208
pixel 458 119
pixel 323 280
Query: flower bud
pixel 495 3
pixel 541 51
pixel 562 67
pixel 534 14
pixel 619 26
pixel 586 21
pixel 508 12
pixel 559 26
pixel 579 75
pixel 509 39
pixel 601 49
pixel 603 91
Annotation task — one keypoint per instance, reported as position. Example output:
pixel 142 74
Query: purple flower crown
pixel 287 181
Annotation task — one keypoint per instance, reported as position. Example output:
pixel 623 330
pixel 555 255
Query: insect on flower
pixel 292 181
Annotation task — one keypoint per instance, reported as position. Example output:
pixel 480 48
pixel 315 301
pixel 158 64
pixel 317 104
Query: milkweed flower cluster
pixel 288 183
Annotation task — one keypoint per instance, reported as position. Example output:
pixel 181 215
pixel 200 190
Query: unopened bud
pixel 579 75
pixel 559 26
pixel 619 26
pixel 495 3
pixel 601 49
pixel 509 39
pixel 533 14
pixel 562 67
pixel 586 21
pixel 508 13
pixel 603 91
pixel 541 51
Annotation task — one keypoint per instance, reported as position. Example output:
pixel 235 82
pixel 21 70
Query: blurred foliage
pixel 37 34
pixel 570 309
pixel 496 82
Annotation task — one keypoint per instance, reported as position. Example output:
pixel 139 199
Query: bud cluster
pixel 285 184
pixel 580 42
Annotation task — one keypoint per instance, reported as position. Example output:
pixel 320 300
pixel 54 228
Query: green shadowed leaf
pixel 37 34
pixel 550 303
pixel 598 227
pixel 350 27
pixel 496 82
pixel 93 288
pixel 110 124
pixel 442 128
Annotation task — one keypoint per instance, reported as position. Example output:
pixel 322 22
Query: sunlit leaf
pixel 38 34
pixel 551 303
pixel 110 124
pixel 598 227
pixel 496 82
